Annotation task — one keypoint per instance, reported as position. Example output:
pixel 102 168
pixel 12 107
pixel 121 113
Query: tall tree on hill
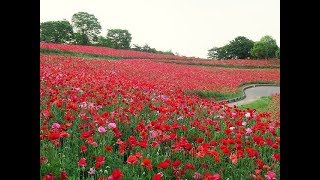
pixel 120 38
pixel 240 48
pixel 278 54
pixel 87 26
pixel 219 52
pixel 265 48
pixel 102 41
pixel 56 31
pixel 213 53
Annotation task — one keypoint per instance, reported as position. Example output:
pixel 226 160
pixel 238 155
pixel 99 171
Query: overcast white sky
pixel 189 27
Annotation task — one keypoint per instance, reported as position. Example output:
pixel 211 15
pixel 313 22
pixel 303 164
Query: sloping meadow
pixel 131 119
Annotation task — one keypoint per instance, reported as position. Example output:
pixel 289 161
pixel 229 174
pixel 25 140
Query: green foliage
pixel 278 54
pixel 219 53
pixel 265 48
pixel 240 47
pixel 218 96
pixel 79 38
pixel 77 54
pixel 120 38
pixel 136 47
pixel 88 27
pixel 56 31
pixel 102 41
pixel 147 48
pixel 260 104
pixel 213 53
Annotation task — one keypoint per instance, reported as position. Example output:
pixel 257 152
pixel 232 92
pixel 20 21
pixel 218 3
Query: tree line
pixel 85 29
pixel 244 48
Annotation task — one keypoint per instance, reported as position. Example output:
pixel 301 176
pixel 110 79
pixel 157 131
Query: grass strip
pixel 238 95
pixel 260 105
pixel 223 65
pixel 77 54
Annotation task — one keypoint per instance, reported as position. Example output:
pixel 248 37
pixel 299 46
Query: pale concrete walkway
pixel 255 93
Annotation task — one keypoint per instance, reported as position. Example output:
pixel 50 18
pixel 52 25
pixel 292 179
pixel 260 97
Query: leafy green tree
pixel 147 48
pixel 56 31
pixel 102 41
pixel 136 47
pixel 278 54
pixel 168 52
pixel 88 27
pixel 220 52
pixel 240 48
pixel 79 38
pixel 265 48
pixel 120 38
pixel 213 53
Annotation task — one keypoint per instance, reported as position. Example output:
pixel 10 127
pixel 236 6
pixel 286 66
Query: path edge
pixel 243 88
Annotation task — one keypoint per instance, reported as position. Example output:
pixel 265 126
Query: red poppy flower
pixel 43 159
pixel 54 135
pixel 176 163
pixel 63 175
pixel 259 163
pixel 116 175
pixel 48 176
pixel 163 165
pixel 108 148
pixel 99 161
pixel 189 166
pixel 82 162
pixel 207 176
pixel 147 163
pixel 226 150
pixel 83 148
pixel 199 140
pixel 275 146
pixel 251 152
pixel 138 154
pixel 240 153
pixel 132 159
pixel 157 177
pixel 214 143
pixel 276 157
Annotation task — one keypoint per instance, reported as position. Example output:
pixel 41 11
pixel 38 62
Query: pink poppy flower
pixel 234 158
pixel 248 130
pixel 270 175
pixel 153 133
pixel 55 126
pixel 101 129
pixel 112 125
pixel 92 171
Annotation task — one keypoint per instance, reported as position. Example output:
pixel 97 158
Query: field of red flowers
pixel 107 51
pixel 274 107
pixel 130 119
pixel 262 63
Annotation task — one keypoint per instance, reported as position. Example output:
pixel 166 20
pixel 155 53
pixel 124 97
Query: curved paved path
pixel 255 93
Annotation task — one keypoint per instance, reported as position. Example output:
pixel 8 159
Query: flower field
pixel 106 51
pixel 131 119
pixel 261 63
